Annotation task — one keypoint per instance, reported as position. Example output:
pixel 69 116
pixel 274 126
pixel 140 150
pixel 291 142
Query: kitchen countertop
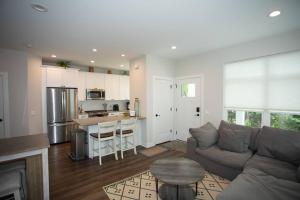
pixel 14 145
pixel 95 120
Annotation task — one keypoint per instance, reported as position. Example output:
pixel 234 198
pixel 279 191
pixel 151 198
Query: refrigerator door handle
pixel 63 99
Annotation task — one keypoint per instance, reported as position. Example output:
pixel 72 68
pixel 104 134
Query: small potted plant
pixel 64 64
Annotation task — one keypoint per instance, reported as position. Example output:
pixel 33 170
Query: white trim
pixel 6 104
pixel 154 141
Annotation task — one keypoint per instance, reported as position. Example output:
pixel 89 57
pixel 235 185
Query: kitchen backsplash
pixel 98 104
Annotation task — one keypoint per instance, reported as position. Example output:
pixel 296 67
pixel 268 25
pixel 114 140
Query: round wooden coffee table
pixel 176 174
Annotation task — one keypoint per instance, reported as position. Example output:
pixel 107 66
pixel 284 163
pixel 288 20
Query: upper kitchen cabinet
pixel 58 77
pixel 124 88
pixel 95 80
pixel 112 87
pixel 82 86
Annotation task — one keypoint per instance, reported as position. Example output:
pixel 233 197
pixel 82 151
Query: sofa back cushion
pixel 280 144
pixel 234 140
pixel 206 135
pixel 254 132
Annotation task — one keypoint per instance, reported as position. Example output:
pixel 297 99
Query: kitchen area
pixel 78 100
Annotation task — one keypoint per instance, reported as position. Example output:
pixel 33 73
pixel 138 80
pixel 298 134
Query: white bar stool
pixel 127 129
pixel 106 134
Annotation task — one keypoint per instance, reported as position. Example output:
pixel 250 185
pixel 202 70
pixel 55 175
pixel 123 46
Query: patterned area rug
pixel 142 186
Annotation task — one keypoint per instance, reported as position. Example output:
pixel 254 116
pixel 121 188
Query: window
pixel 264 91
pixel 188 90
pixel 248 118
pixel 285 121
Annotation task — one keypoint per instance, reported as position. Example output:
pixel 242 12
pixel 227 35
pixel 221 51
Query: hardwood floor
pixel 85 179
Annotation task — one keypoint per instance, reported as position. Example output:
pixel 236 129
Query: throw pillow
pixel 280 144
pixel 255 132
pixel 206 135
pixel 234 140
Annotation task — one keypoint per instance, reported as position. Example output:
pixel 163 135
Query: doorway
pixel 4 129
pixel 188 105
pixel 163 109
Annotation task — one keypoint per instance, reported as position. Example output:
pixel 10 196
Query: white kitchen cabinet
pixel 95 80
pixel 54 77
pixel 59 77
pixel 82 86
pixel 124 88
pixel 112 87
pixel 70 77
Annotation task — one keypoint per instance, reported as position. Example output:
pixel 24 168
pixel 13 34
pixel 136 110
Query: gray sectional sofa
pixel 263 164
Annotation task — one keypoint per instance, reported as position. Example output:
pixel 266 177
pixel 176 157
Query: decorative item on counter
pixel 109 71
pixel 132 113
pixel 64 64
pixel 137 107
pixel 91 69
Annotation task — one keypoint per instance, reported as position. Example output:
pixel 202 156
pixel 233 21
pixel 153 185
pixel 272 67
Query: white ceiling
pixel 71 28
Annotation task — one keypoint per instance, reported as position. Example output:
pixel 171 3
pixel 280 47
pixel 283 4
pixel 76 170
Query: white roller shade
pixel 271 82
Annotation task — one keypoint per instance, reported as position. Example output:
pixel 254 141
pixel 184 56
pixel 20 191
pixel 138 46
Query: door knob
pixel 1 120
pixel 197 115
pixel 156 115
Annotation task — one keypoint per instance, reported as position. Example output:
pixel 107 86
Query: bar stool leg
pixel 115 148
pixel 121 145
pixel 133 141
pixel 99 151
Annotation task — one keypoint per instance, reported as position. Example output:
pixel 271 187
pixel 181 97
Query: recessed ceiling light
pixel 92 61
pixel 121 65
pixel 173 47
pixel 53 56
pixel 274 13
pixel 123 55
pixel 39 8
pixel 95 50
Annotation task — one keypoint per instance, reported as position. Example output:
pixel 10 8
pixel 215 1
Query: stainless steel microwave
pixel 95 94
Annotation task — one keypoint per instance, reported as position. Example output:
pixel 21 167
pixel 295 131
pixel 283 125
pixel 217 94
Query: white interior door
pixel 2 130
pixel 163 106
pixel 187 106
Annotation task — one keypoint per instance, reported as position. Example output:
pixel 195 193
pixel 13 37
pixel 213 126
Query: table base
pixel 173 192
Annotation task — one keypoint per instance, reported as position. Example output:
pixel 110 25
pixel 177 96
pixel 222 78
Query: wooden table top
pixel 95 120
pixel 177 171
pixel 14 145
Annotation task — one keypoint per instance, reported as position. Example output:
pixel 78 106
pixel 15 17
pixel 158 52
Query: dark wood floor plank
pixel 85 179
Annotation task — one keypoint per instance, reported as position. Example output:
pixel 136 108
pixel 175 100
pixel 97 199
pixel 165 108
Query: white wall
pixel 15 63
pixel 142 71
pixel 211 65
pixel 156 66
pixel 34 94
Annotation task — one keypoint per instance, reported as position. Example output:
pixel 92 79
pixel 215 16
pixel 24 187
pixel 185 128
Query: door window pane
pixel 285 121
pixel 188 90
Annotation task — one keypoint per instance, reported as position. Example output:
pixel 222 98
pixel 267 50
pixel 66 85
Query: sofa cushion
pixel 280 144
pixel 206 135
pixel 254 132
pixel 223 157
pixel 255 184
pixel 234 140
pixel 277 168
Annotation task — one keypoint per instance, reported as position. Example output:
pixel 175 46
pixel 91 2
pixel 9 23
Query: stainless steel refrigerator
pixel 62 108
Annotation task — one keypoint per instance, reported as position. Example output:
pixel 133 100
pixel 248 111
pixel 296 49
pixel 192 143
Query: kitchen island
pixel 90 125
